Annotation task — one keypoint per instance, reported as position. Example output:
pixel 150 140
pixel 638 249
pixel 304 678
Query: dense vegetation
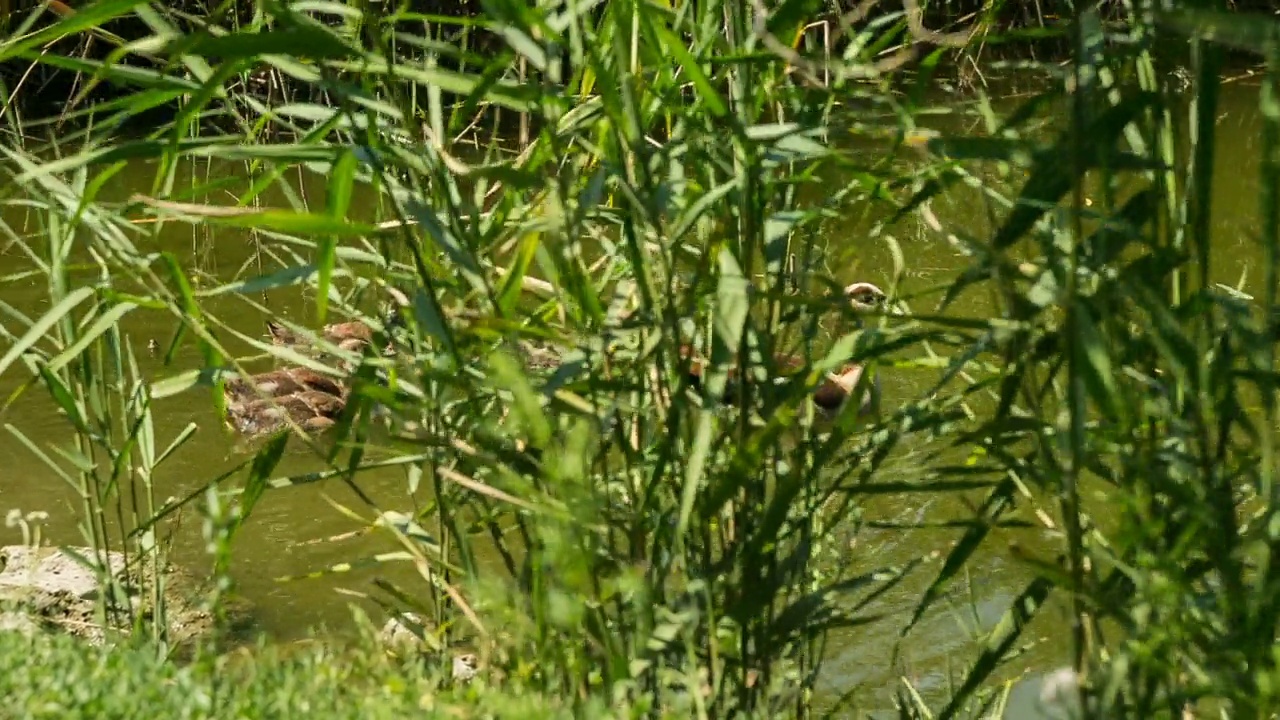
pixel 54 677
pixel 618 180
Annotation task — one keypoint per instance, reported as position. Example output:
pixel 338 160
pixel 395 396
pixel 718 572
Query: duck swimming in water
pixel 829 396
pixel 265 402
pixel 312 410
pixel 278 383
pixel 835 389
pixel 352 336
pixel 865 296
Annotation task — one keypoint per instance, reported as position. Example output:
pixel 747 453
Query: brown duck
pixel 865 296
pixel 264 403
pixel 830 395
pixel 279 383
pixel 351 336
pixel 312 410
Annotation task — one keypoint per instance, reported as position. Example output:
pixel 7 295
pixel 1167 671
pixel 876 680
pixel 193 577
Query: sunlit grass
pixel 606 528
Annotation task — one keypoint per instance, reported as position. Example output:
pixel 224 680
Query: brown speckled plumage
pixel 352 336
pixel 278 383
pixel 266 402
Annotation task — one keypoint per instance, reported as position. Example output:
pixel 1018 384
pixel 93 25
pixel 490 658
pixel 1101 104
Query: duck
pixel 538 356
pixel 351 336
pixel 265 402
pixel 279 383
pixel 312 410
pixel 865 296
pixel 829 396
pixel 835 389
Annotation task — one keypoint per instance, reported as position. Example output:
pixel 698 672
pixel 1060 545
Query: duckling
pixel 313 410
pixel 538 356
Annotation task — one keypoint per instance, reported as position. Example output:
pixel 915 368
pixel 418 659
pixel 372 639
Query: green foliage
pixel 611 533
pixel 58 677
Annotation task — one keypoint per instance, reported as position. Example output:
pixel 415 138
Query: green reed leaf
pixel 996 503
pixel 44 457
pixel 306 40
pixel 103 323
pixel 45 323
pixel 1054 174
pixel 999 643
pixel 264 463
pixel 296 223
pixel 701 83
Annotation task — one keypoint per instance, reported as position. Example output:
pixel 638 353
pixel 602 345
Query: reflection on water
pixel 277 542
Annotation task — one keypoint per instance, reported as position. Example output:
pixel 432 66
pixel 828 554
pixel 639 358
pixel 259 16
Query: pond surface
pixel 292 531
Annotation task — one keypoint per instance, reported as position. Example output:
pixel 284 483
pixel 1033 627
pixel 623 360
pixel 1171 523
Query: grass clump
pixel 55 676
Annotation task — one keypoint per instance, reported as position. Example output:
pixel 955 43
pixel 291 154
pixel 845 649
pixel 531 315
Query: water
pixel 287 534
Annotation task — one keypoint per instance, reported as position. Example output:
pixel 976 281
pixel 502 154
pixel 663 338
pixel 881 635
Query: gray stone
pixel 19 623
pixel 408 634
pixel 465 667
pixel 51 589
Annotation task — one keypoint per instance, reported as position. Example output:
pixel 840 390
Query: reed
pixel 609 533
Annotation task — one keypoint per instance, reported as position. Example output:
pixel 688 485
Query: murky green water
pixel 287 533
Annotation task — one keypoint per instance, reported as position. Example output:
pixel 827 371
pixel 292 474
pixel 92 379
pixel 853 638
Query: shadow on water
pixel 286 534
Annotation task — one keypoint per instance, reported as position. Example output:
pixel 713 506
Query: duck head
pixel 865 296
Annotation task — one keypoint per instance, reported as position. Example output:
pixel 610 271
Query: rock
pixel 408 634
pixel 19 623
pixel 465 667
pixel 49 588
pixel 1060 693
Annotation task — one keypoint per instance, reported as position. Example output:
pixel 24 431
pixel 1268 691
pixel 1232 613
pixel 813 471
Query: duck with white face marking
pixel 831 394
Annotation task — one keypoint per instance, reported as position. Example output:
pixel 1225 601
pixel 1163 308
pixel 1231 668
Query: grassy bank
pixel 57 677
pixel 617 530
